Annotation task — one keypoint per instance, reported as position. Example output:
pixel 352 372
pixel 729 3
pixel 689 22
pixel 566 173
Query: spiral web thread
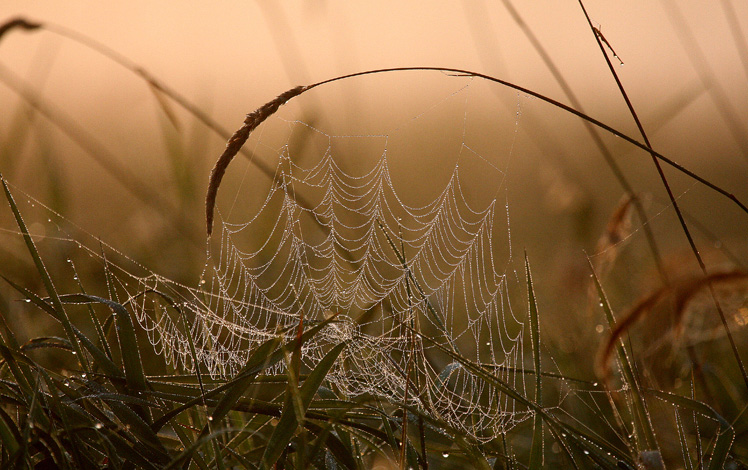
pixel 392 271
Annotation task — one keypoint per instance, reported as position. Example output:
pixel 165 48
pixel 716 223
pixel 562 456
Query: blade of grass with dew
pixel 335 445
pixel 326 432
pixel 147 439
pixel 129 350
pixel 41 269
pixel 10 436
pixel 34 418
pixel 103 342
pixel 259 365
pixel 65 415
pixel 22 375
pixel 595 445
pixel 262 357
pixel 126 450
pixel 178 429
pixel 186 455
pixel 88 416
pixel 642 422
pixel 536 451
pixel 102 360
pixel 564 446
pixel 196 364
pixel 289 420
pixel 725 435
pixel 683 441
pixel 256 362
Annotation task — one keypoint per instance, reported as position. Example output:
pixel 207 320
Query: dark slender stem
pixel 558 104
pixel 671 196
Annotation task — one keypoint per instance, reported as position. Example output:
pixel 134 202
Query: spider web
pixel 399 234
pixel 409 280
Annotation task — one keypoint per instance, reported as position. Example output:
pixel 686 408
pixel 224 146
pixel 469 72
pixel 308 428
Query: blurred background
pixel 139 183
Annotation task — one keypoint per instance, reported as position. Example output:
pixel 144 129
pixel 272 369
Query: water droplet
pixel 594 384
pixel 98 425
pixel 445 454
pixel 27 300
pixel 74 353
pixel 586 452
pixel 210 418
pixel 84 375
pixel 599 328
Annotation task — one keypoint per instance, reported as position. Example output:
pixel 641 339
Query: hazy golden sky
pixel 236 53
pixel 232 56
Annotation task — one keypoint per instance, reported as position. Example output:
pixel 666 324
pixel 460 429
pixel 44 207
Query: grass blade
pixel 42 270
pixel 536 451
pixel 725 435
pixel 134 373
pixel 288 423
pixel 257 362
pixel 10 436
pixel 642 423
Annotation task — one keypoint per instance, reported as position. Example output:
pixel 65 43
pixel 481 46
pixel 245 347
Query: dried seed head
pixel 18 23
pixel 235 143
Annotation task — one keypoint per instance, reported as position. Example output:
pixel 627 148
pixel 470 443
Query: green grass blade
pixel 22 375
pixel 722 446
pixel 683 441
pixel 126 450
pixel 10 436
pixel 536 451
pixel 179 430
pixel 693 405
pixel 337 448
pixel 256 363
pixel 100 358
pixel 643 425
pixel 187 454
pixel 42 270
pixel 66 414
pixel 590 442
pixel 725 435
pixel 104 344
pixel 134 373
pixel 147 439
pixel 288 423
